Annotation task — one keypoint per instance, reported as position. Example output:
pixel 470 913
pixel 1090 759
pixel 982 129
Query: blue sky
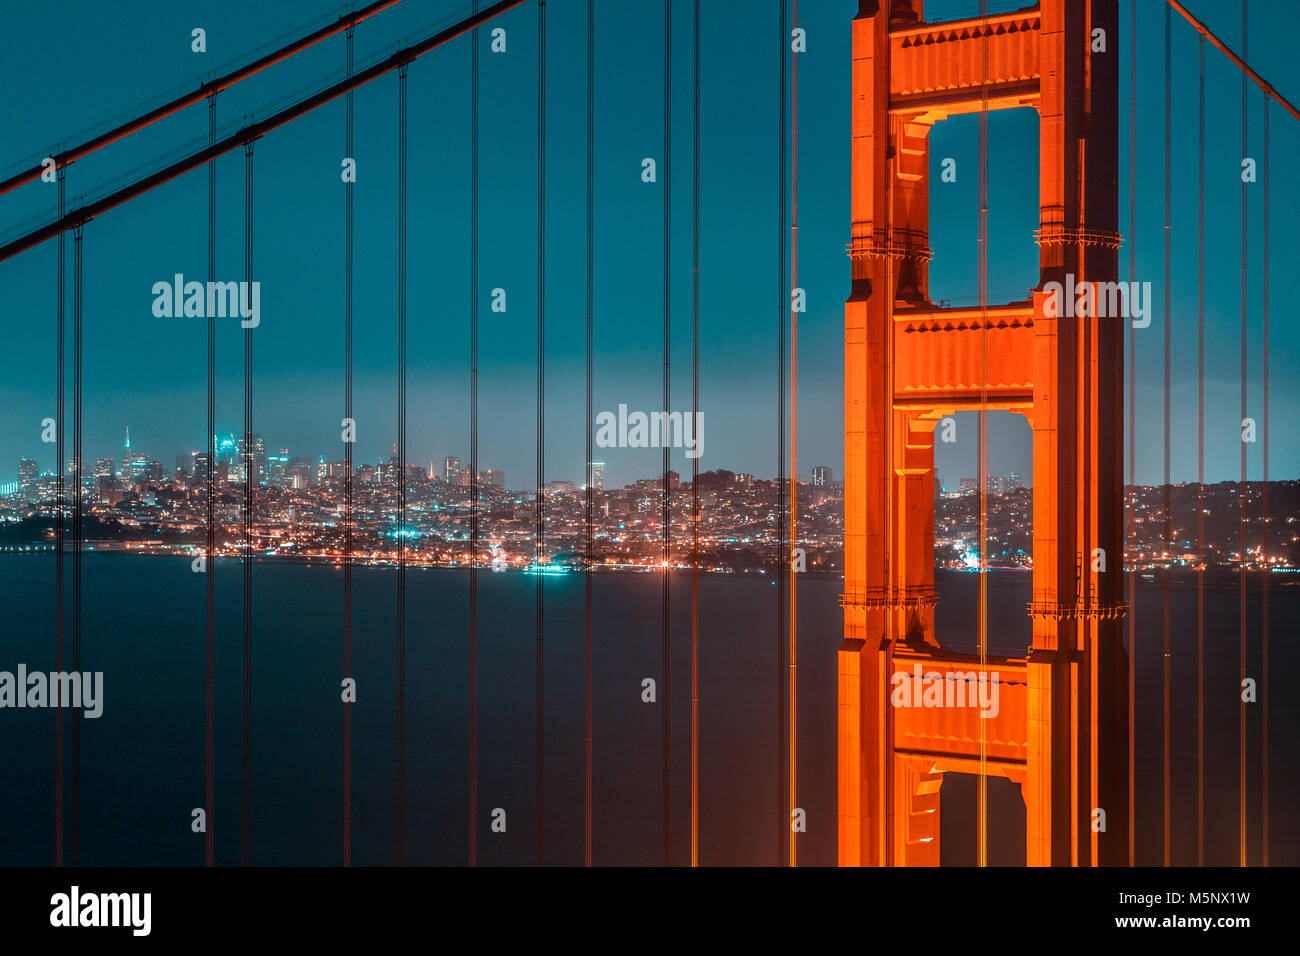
pixel 93 63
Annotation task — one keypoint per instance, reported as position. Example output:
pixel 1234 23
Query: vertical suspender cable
pixel 1266 547
pixel 1167 503
pixel 981 838
pixel 473 454
pixel 59 546
pixel 794 434
pixel 1200 471
pixel 211 495
pixel 783 309
pixel 664 713
pixel 695 417
pixel 248 519
pixel 74 801
pixel 1132 419
pixel 1243 554
pixel 347 472
pixel 400 720
pixel 540 532
pixel 587 536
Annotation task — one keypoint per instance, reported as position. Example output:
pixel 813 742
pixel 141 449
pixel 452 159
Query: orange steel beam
pixel 70 156
pixel 251 132
pixel 1264 85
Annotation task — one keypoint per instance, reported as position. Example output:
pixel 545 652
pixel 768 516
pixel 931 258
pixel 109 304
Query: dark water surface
pixel 142 762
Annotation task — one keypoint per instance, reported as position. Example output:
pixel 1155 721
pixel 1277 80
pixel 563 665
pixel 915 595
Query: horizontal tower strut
pixel 69 156
pixel 252 132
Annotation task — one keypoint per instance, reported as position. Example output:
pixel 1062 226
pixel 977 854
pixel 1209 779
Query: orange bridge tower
pixel 1061 730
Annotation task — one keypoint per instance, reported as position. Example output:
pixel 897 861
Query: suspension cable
pixel 74 801
pixel 1200 470
pixel 348 298
pixel 1132 430
pixel 695 464
pixel 400 716
pixel 1241 488
pixel 665 709
pixel 1240 61
pixel 251 132
pixel 793 690
pixel 59 543
pixel 540 531
pixel 206 90
pixel 210 567
pixel 588 530
pixel 1267 542
pixel 1167 504
pixel 473 454
pixel 248 518
pixel 783 309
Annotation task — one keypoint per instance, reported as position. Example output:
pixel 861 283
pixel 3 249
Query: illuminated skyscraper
pixel 596 471
pixel 275 467
pixel 255 455
pixel 450 469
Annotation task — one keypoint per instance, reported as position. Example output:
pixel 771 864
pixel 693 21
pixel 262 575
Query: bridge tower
pixel 1062 727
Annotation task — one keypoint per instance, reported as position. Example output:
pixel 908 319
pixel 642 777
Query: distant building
pixel 28 472
pixel 493 476
pixel 822 475
pixel 275 465
pixel 1011 482
pixel 297 473
pixel 450 469
pixel 227 449
pixel 252 456
pixel 596 470
pixel 110 490
pixel 968 486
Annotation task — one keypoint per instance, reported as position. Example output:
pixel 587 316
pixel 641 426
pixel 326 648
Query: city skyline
pixel 150 370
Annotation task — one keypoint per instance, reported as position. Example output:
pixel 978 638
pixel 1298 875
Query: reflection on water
pixel 142 762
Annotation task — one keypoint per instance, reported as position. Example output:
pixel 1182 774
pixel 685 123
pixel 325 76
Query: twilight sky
pixel 95 64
